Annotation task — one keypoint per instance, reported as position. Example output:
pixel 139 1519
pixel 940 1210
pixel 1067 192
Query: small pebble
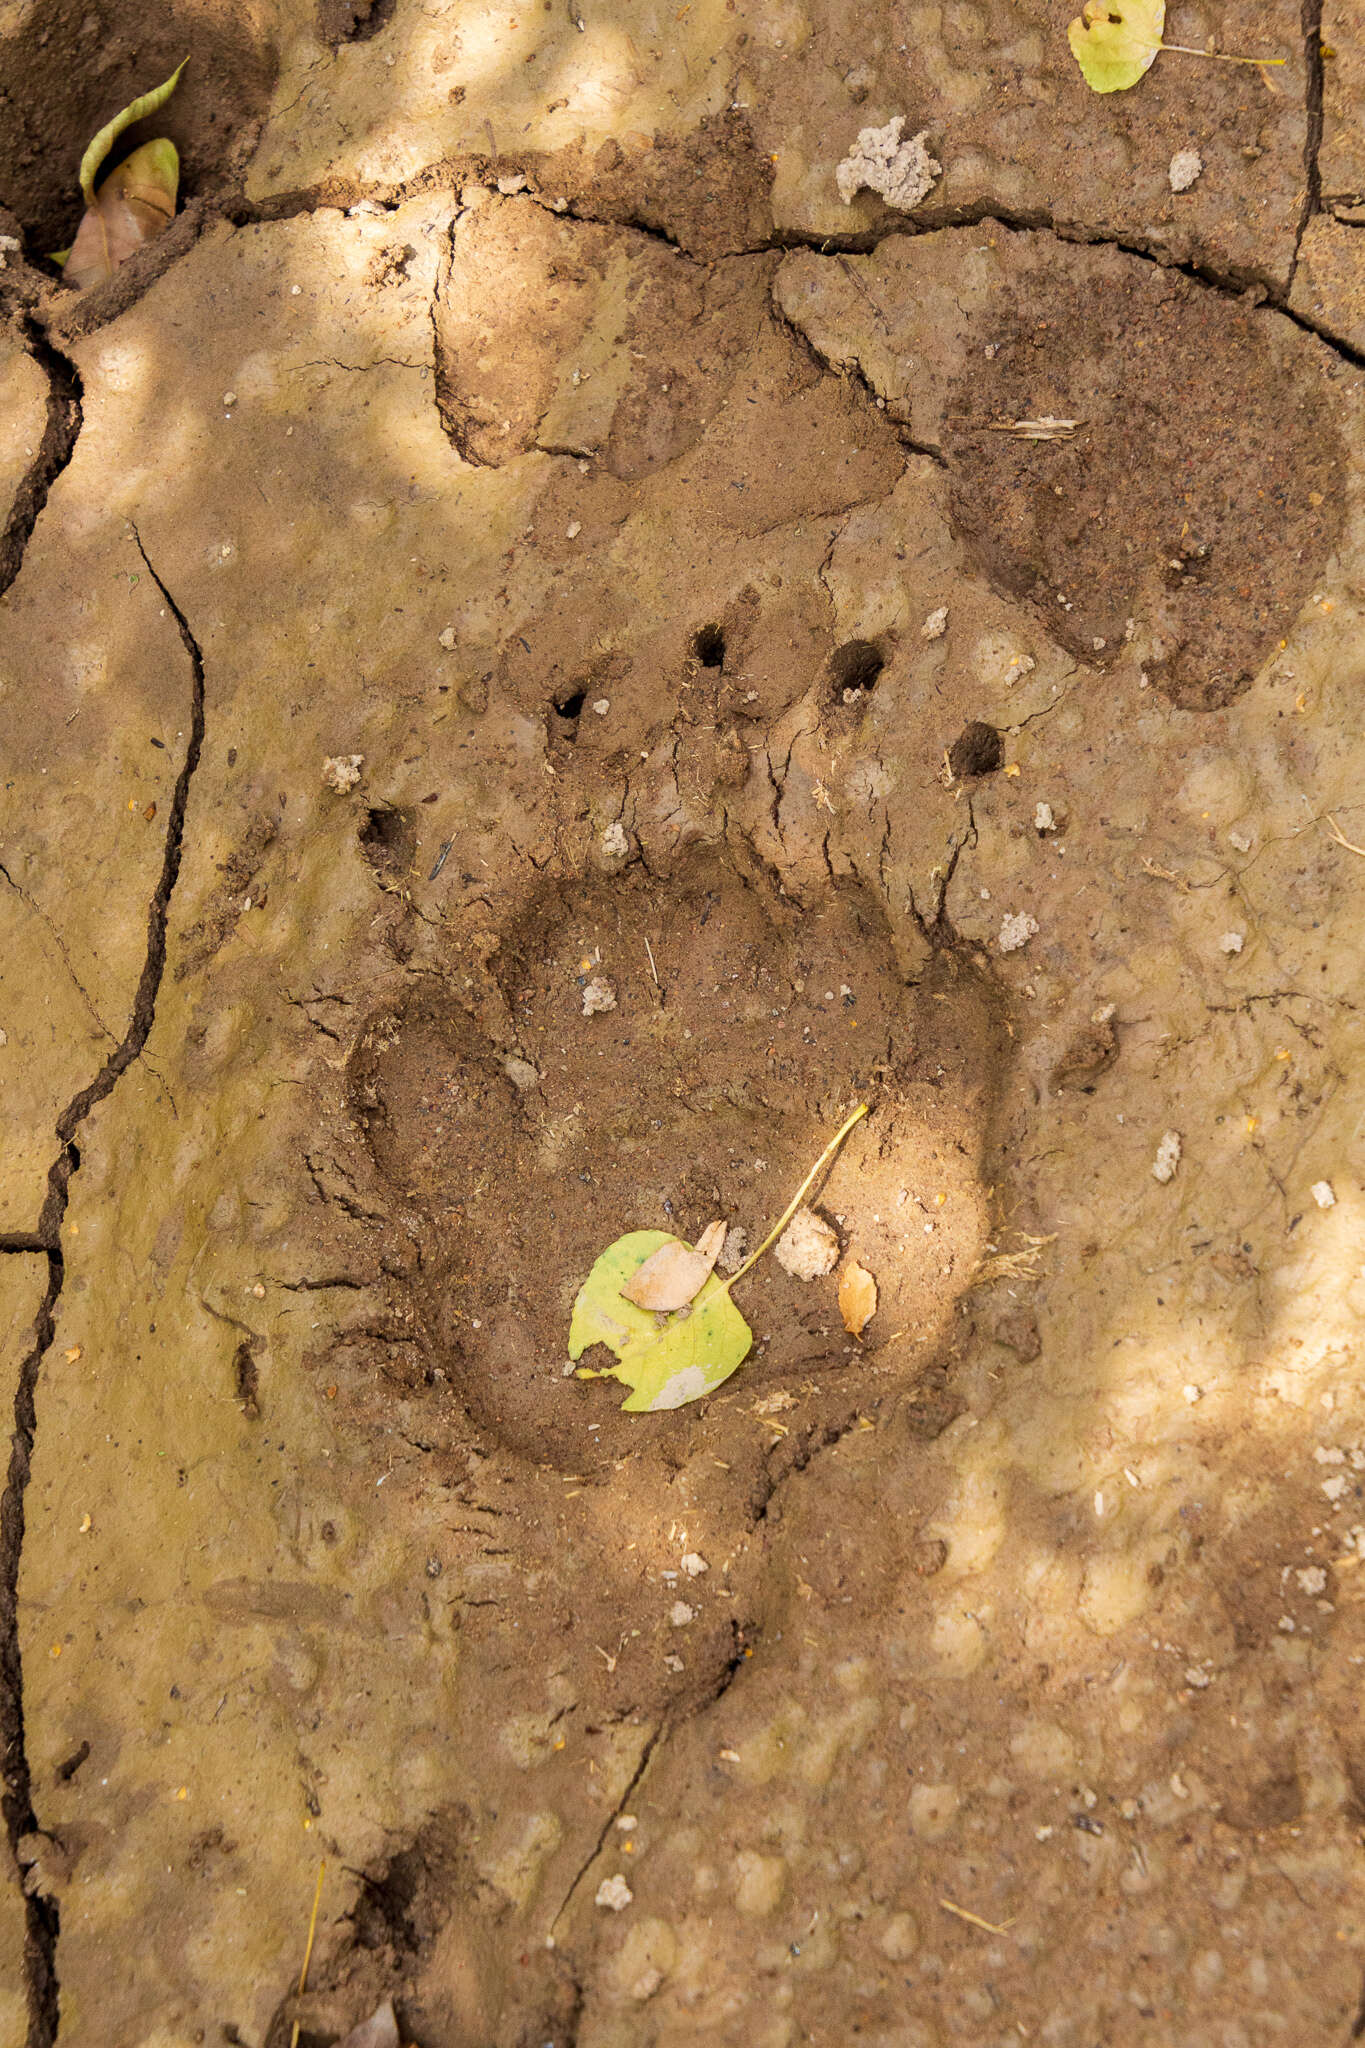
pixel 1324 1194
pixel 1186 166
pixel 1016 930
pixel 1167 1157
pixel 598 996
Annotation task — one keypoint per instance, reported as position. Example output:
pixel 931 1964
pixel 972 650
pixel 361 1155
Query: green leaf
pixel 665 1361
pixel 1115 42
pixel 136 110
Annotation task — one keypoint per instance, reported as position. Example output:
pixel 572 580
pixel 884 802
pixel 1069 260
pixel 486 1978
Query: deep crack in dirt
pixel 42 1915
pixel 60 433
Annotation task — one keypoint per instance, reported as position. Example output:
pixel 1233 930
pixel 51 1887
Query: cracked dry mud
pixel 644 527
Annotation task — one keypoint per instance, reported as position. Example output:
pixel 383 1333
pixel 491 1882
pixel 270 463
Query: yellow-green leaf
pixel 136 110
pixel 665 1361
pixel 1115 42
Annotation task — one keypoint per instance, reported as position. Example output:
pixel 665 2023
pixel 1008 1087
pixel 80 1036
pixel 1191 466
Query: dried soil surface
pixel 537 671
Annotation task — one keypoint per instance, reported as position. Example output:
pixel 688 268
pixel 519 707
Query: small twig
pixel 652 968
pixel 1021 1264
pixel 1219 56
pixel 1340 836
pixel 1045 429
pixel 308 1949
pixel 440 860
pixel 795 1203
pixel 961 1913
pixel 1160 874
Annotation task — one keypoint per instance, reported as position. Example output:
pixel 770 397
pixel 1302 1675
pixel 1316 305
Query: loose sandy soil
pixel 516 406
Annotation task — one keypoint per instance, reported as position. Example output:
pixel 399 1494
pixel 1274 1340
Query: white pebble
pixel 694 1565
pixel 614 1894
pixel 1186 166
pixel 1192 1393
pixel 1043 818
pixel 807 1248
pixel 1324 1194
pixel 598 996
pixel 936 625
pixel 1231 942
pixel 601 705
pixel 679 1614
pixel 447 636
pixel 1167 1157
pixel 1016 930
pixel 341 772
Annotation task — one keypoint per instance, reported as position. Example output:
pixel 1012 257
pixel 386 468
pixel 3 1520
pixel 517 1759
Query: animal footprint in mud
pixel 513 1154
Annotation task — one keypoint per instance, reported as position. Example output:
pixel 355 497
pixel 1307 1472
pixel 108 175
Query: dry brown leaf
pixel 857 1298
pixel 677 1272
pixel 135 202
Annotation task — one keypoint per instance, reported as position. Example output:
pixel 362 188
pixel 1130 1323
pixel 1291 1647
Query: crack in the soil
pixel 42 1918
pixel 1312 142
pixel 60 433
pixel 609 1823
pixel 42 1985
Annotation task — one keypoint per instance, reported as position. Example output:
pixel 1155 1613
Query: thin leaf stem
pixel 308 1951
pixel 1220 56
pixel 795 1203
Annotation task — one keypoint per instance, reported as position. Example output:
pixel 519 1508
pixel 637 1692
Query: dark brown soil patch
pixel 1198 498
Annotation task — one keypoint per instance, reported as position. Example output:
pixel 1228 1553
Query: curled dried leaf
pixel 136 110
pixel 857 1298
pixel 676 1273
pixel 135 202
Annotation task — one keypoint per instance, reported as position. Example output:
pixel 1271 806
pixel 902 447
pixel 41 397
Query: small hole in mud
pixel 568 709
pixel 247 1379
pixel 977 750
pixel 353 21
pixel 388 840
pixel 67 1769
pixel 854 669
pixel 708 646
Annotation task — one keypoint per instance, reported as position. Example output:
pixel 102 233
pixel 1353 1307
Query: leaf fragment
pixel 136 110
pixel 135 202
pixel 857 1298
pixel 1115 42
pixel 676 1273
